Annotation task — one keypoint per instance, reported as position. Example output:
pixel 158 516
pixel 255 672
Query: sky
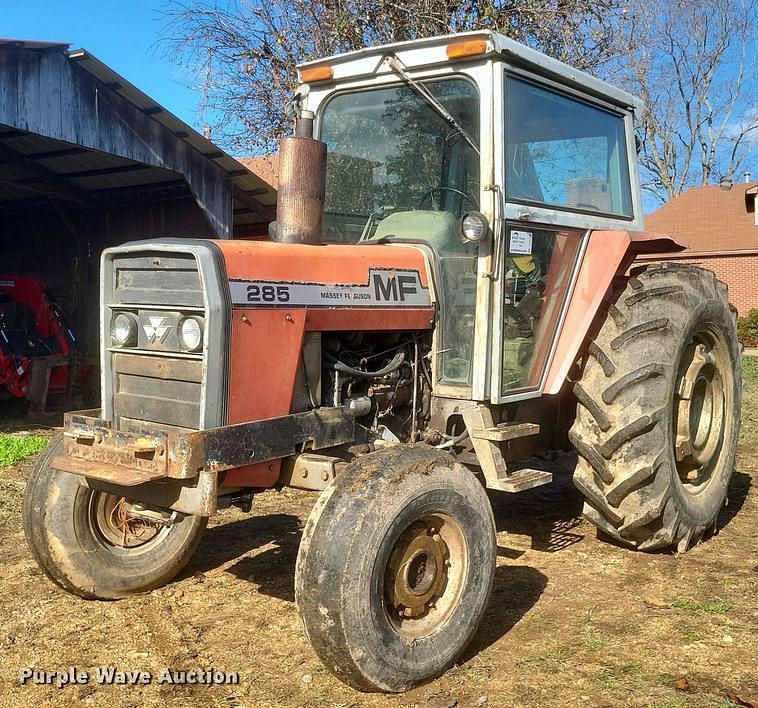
pixel 120 33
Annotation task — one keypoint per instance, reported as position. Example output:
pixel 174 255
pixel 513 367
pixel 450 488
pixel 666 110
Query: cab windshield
pixel 398 167
pixel 389 150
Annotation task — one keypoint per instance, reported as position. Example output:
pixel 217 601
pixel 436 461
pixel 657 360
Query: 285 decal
pixel 385 288
pixel 268 293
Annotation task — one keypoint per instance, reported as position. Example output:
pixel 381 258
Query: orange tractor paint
pixel 256 332
pixel 449 291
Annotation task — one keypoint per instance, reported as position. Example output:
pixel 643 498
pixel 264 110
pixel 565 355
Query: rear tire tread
pixel 623 417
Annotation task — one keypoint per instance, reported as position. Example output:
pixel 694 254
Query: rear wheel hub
pixel 700 403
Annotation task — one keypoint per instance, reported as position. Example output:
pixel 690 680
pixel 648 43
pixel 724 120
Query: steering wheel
pixel 429 194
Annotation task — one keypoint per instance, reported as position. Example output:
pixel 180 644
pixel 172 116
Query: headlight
pixel 474 226
pixel 191 333
pixel 124 329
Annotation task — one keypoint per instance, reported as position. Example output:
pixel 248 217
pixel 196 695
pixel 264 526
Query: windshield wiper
pixel 398 66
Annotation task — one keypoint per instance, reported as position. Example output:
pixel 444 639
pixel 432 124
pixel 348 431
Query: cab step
pixel 506 431
pixel 520 480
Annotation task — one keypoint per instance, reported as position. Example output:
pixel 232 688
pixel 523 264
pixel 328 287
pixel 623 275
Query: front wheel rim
pixel 425 575
pixel 118 531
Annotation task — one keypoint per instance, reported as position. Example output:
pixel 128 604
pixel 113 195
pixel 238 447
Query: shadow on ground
pixel 272 569
pixel 515 591
pixel 739 488
pixel 550 515
pixel 14 417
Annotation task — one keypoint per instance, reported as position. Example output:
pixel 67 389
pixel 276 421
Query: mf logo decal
pixel 385 288
pixel 156 329
pixel 395 288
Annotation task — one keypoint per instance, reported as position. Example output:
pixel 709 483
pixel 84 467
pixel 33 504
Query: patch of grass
pixel 14 448
pixel 669 702
pixel 749 428
pixel 716 606
pixel 607 677
pixel 722 702
pixel 610 677
pixel 551 662
pixel 543 622
pixel 528 695
pixel 592 640
pixel 689 634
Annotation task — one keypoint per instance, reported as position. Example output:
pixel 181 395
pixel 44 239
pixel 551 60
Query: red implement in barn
pixel 33 335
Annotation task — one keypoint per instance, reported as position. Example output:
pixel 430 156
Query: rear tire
pixel 75 535
pixel 395 568
pixel 659 409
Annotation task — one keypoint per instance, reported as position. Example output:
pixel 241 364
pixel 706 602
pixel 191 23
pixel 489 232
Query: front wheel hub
pixel 424 575
pixel 122 524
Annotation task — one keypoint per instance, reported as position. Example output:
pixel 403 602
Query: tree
pixel 693 62
pixel 248 49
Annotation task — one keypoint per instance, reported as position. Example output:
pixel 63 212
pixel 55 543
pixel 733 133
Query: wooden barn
pixel 88 161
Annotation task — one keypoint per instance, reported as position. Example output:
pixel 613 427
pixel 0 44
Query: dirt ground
pixel 572 620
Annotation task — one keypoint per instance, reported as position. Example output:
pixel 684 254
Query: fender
pixel 608 254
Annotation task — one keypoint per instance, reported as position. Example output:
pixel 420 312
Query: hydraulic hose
pixel 397 360
pixel 452 442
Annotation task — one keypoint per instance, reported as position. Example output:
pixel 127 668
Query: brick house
pixel 719 224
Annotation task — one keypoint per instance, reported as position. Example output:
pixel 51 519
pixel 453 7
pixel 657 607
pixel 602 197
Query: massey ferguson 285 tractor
pixel 448 290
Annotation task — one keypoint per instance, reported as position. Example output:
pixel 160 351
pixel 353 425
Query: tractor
pixel 448 290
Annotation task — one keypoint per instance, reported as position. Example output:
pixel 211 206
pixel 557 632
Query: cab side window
pixel 563 152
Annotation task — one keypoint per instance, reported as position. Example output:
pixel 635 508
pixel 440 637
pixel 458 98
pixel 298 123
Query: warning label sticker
pixel 520 243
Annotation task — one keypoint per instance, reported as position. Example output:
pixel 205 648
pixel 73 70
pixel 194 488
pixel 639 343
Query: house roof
pixel 265 168
pixel 710 218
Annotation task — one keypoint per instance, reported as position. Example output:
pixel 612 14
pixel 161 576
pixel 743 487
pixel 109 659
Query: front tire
pixel 395 568
pixel 659 409
pixel 87 542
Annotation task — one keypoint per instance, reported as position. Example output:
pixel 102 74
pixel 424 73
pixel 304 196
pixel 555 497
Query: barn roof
pixel 71 124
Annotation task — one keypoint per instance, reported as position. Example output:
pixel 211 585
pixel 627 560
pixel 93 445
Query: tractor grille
pixel 154 382
pixel 157 279
pixel 161 390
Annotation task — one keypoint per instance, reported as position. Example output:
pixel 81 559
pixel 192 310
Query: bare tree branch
pixel 254 45
pixel 688 60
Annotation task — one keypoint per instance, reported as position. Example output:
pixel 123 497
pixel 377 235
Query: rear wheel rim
pixel 424 576
pixel 702 397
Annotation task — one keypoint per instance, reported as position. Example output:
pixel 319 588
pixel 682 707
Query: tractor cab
pixel 497 158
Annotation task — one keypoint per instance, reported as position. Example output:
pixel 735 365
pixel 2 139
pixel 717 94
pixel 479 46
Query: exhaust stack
pixel 302 184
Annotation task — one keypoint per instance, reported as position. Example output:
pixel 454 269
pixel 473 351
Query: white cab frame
pixel 427 59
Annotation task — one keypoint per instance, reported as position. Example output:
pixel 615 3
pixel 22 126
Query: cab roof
pixel 432 51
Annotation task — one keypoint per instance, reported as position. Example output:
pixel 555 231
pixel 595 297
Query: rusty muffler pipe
pixel 302 183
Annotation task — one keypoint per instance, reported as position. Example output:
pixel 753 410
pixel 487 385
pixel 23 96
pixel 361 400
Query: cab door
pixel 564 170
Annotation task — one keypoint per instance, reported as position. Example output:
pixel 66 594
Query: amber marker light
pixel 312 74
pixel 473 48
